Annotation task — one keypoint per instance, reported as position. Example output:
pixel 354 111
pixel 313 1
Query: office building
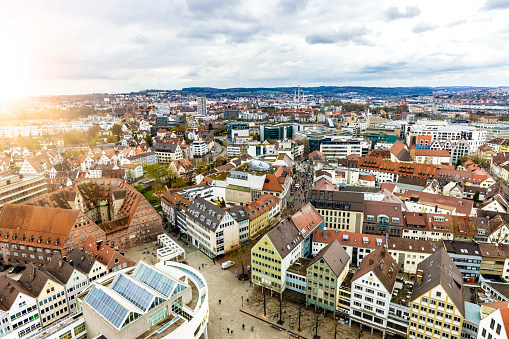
pixel 341 211
pixel 156 301
pixel 276 132
pixel 201 105
pixel 234 129
pixel 210 228
pixel 16 189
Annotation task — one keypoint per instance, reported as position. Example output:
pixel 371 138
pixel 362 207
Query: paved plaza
pixel 224 286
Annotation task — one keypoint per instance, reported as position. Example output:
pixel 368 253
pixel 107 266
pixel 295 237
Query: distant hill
pixel 331 90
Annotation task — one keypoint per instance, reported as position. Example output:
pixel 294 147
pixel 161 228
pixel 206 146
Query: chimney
pixel 418 277
pixel 324 234
pixel 60 263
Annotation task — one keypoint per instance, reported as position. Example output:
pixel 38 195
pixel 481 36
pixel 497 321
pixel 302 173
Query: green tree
pixel 92 131
pixel 182 127
pixel 112 139
pixel 174 129
pixel 476 196
pixel 255 136
pixel 161 173
pixel 149 140
pixel 116 130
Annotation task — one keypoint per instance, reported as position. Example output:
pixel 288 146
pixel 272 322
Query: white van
pixel 227 264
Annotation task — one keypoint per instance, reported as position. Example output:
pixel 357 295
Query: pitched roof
pixel 307 219
pixel 383 266
pixel 350 239
pixel 335 256
pixel 261 205
pixel 28 224
pixel 432 153
pixel 60 269
pixel 462 206
pixel 411 245
pixel 400 151
pixel 205 213
pixel 10 291
pixel 285 237
pixel 81 261
pixel 407 169
pixel 34 279
pixel 439 269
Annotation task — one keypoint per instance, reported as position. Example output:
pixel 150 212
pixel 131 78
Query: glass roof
pixel 106 306
pixel 154 279
pixel 136 295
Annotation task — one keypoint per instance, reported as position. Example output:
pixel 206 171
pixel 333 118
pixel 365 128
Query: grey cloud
pixel 232 32
pixel 384 67
pixel 207 7
pixel 140 39
pixel 344 34
pixel 456 23
pixel 393 13
pixel 292 6
pixel 496 4
pixel 422 27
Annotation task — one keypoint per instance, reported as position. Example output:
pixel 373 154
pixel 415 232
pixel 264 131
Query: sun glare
pixel 12 73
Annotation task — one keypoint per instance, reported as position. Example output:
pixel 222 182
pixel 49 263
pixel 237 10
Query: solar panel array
pixel 110 309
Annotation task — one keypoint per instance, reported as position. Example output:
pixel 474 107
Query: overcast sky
pixel 63 47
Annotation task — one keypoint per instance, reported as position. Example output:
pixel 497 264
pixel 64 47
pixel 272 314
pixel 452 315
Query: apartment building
pixel 494 321
pixel 325 274
pixel 467 257
pixel 341 211
pixel 437 307
pixel 19 315
pixel 389 171
pixel 409 253
pixel 274 253
pixel 382 218
pixel 308 221
pixel 495 259
pixel 242 218
pixel 199 148
pixel 357 245
pixel 210 228
pixel 372 287
pixel 49 292
pixel 16 189
pixel 167 152
pixel 262 212
pixel 92 268
pixel 73 279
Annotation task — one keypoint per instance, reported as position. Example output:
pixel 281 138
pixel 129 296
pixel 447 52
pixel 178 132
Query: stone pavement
pixel 225 286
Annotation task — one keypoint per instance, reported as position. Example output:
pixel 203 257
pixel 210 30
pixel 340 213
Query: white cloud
pixel 125 45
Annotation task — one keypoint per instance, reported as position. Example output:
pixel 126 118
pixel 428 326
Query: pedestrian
pixel 247 301
pixel 201 264
pixel 199 268
pixel 219 301
pixel 252 328
pixel 228 329
pixel 242 326
pixel 232 332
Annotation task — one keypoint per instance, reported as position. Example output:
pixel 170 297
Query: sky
pixel 69 47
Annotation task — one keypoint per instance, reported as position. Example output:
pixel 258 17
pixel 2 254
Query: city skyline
pixel 58 47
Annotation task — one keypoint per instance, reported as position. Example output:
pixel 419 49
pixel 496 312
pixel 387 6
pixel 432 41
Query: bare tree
pixel 240 257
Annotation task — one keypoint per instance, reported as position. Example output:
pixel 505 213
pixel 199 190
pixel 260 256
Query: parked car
pixel 227 264
pixel 17 269
pixel 4 268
